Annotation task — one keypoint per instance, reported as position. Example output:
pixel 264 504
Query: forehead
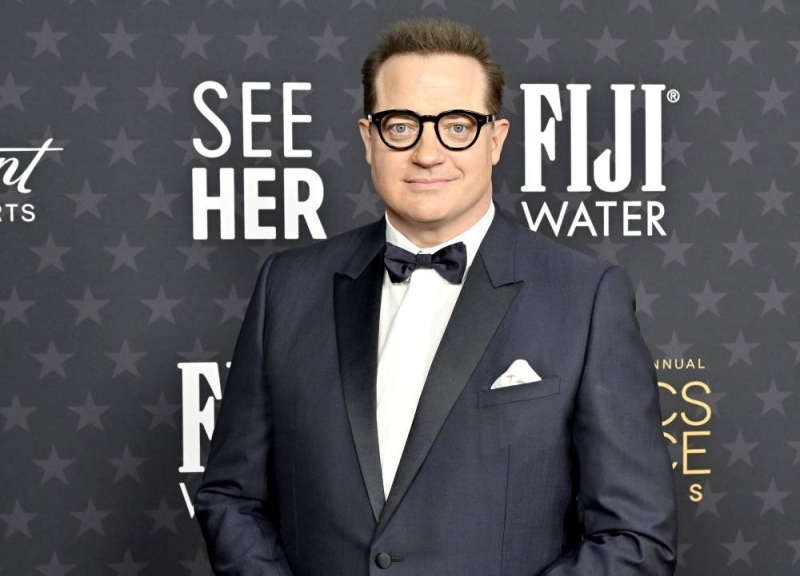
pixel 429 84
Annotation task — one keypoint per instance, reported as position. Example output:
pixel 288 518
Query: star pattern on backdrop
pixel 18 520
pixel 16 415
pixel 773 199
pixel 256 42
pixel 773 299
pixel 707 300
pixel 162 412
pixel 196 255
pixel 740 249
pixel 673 47
pixel 198 353
pixel 46 40
pixel 707 4
pixel 164 517
pixel 537 46
pixel 329 148
pixel 233 306
pixel 644 300
pixel 328 44
pixel 674 148
pixel 740 48
pixel 606 46
pixel 14 308
pixel 120 41
pixel 52 361
pixel 710 500
pixel 50 254
pixel 643 4
pixel 707 200
pixel 740 149
pixel 773 399
pixel 127 465
pixel 773 98
pixel 158 95
pixel 84 94
pixel 740 450
pixel 740 349
pixel 674 250
pixel 88 307
pixel 124 254
pixel 607 250
pixel 707 98
pixel 159 202
pixel 89 413
pixel 365 201
pixel 125 360
pixel 11 93
pixel 55 567
pixel 127 566
pixel 86 201
pixel 53 467
pixel 91 519
pixel 739 549
pixel 122 148
pixel 674 348
pixel 193 42
pixel 161 306
pixel 776 5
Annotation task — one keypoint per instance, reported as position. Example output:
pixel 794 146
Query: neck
pixel 425 235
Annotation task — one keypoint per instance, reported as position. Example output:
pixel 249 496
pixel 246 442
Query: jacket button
pixel 383 560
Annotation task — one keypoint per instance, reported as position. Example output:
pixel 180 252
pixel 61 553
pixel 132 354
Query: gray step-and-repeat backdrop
pixel 119 307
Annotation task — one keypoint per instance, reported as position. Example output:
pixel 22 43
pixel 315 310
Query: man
pixel 485 408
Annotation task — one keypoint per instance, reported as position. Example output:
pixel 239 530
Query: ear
pixel 499 132
pixel 366 136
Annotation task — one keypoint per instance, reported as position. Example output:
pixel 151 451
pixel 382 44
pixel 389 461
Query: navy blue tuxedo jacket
pixel 562 477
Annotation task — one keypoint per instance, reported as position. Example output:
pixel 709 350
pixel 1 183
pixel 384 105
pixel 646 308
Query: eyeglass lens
pixel 455 130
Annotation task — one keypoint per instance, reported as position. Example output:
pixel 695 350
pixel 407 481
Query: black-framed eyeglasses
pixel 456 129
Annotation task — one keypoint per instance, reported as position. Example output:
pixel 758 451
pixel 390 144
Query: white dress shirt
pixel 414 314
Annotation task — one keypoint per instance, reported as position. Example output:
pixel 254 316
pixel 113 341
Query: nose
pixel 428 151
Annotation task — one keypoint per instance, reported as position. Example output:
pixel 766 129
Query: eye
pixel 458 127
pixel 399 126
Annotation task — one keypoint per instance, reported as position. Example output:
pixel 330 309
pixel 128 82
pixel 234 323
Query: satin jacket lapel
pixel 357 305
pixel 488 291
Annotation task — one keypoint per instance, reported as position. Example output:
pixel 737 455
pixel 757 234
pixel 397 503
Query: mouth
pixel 428 183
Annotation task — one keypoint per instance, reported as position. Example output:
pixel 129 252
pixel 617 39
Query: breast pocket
pixel 519 392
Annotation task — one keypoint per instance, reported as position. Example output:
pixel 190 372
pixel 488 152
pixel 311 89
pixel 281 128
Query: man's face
pixel 431 193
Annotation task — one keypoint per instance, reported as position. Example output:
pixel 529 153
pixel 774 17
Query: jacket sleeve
pixel 626 495
pixel 233 503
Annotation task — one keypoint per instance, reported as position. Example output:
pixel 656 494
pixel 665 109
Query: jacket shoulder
pixel 331 254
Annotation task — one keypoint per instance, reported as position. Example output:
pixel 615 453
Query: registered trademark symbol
pixel 673 95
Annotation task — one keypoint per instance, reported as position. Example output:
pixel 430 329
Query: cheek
pixel 385 169
pixel 381 178
pixel 483 163
pixel 475 167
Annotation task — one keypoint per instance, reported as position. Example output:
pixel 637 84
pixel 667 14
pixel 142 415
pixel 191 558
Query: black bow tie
pixel 450 262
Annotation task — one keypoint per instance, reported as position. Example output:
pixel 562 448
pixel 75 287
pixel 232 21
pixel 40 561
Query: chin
pixel 426 214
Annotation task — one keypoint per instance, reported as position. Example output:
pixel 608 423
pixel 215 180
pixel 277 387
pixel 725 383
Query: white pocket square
pixel 520 372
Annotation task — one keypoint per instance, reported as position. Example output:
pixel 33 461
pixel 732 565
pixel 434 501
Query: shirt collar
pixel 471 237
